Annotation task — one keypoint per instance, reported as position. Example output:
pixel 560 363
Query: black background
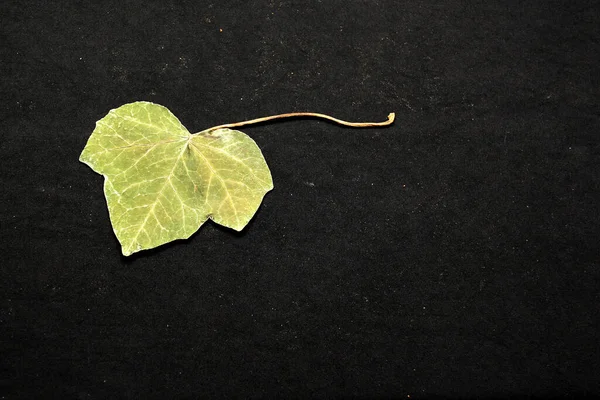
pixel 452 254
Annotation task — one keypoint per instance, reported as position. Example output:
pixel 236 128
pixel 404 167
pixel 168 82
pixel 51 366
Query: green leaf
pixel 162 183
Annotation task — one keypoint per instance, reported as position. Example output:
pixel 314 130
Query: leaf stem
pixel 389 121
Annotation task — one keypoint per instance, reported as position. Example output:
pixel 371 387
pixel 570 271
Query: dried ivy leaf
pixel 162 183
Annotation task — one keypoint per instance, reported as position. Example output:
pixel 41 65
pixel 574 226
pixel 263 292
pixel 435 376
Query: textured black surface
pixel 453 254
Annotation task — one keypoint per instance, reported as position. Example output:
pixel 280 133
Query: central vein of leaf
pixel 158 195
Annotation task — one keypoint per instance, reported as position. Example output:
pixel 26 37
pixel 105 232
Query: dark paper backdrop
pixel 453 254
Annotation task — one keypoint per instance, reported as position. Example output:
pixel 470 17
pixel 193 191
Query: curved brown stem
pixel 389 121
